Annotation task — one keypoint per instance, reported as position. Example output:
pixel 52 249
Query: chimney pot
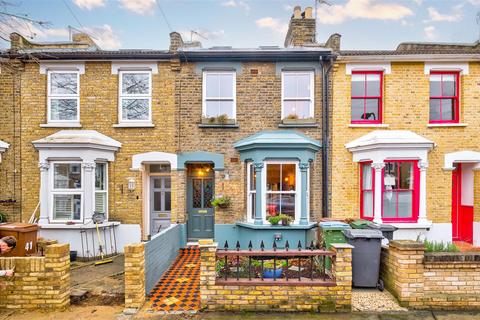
pixel 297 12
pixel 308 12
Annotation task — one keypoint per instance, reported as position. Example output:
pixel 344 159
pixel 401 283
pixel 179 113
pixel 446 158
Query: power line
pixel 164 16
pixel 73 14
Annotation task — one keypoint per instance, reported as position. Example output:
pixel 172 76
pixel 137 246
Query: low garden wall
pixel 422 280
pixel 282 297
pixel 39 282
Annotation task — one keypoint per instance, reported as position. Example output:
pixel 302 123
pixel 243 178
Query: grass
pixel 434 246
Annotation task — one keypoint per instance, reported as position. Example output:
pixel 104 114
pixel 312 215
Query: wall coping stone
pixel 449 257
pixel 342 246
pixel 406 245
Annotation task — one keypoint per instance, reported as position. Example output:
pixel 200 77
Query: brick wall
pixel 422 280
pixel 405 107
pixel 258 108
pixel 276 298
pixel 10 183
pixel 134 275
pixel 39 282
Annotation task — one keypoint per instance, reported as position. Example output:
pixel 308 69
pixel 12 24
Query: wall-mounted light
pixel 131 184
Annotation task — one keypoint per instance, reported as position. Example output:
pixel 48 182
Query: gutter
pixel 325 134
pixel 410 57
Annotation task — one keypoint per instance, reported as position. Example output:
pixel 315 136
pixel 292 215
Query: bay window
pixel 63 98
pixel 251 190
pixel 399 194
pixel 366 190
pixel 135 98
pixel 444 97
pixel 281 189
pixel 101 187
pixel 366 97
pixel 67 192
pixel 219 94
pixel 297 95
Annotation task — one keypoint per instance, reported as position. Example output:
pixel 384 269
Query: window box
pixel 292 121
pixel 221 120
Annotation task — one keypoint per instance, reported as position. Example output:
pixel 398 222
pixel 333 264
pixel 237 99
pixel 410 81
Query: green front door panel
pixel 201 215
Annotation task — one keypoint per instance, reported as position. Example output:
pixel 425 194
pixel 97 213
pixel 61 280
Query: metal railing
pixel 301 265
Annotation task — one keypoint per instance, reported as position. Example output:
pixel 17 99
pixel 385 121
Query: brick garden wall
pixel 134 275
pixel 422 280
pixel 276 298
pixel 405 107
pixel 39 282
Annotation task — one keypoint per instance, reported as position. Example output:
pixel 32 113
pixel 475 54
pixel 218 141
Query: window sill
pixel 219 126
pixel 446 125
pixel 298 125
pixel 77 225
pixel 134 125
pixel 268 226
pixel 61 125
pixel 372 125
pixel 411 225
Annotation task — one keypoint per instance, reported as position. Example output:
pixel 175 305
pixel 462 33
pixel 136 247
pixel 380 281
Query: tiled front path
pixel 466 247
pixel 179 288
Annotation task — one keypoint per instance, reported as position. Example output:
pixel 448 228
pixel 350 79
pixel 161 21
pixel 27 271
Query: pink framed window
pixel 400 187
pixel 366 97
pixel 444 97
pixel 367 190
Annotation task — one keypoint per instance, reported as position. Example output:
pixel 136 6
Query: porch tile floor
pixel 179 288
pixel 466 247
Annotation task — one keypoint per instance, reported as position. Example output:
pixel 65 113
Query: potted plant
pixel 222 120
pixel 274 219
pixel 294 119
pixel 286 219
pixel 269 270
pixel 221 202
pixel 3 216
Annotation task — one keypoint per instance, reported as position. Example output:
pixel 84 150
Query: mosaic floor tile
pixel 179 288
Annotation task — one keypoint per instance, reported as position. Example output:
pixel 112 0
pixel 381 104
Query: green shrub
pixel 3 216
pixel 434 246
pixel 274 220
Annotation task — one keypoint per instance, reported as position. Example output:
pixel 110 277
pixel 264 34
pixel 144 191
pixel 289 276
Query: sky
pixel 140 24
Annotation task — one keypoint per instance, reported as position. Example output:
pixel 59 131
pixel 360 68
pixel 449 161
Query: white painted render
pixel 385 67
pixel 52 65
pixel 445 66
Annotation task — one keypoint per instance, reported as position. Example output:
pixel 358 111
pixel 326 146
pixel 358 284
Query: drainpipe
pixel 326 68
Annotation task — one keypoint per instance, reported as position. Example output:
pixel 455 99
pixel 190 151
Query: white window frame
pixel 102 191
pixel 54 192
pixel 250 214
pixel 51 96
pixel 122 96
pixel 311 98
pixel 297 191
pixel 204 92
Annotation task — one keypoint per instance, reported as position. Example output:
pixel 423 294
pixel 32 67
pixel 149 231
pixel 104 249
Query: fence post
pixel 208 250
pixel 134 275
pixel 342 271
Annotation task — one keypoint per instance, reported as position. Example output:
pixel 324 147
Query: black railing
pixel 302 265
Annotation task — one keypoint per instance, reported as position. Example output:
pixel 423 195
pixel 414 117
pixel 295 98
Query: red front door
pixel 462 208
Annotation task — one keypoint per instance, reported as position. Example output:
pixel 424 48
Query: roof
pixel 284 137
pixel 419 48
pixel 78 138
pixel 389 137
pixel 3 145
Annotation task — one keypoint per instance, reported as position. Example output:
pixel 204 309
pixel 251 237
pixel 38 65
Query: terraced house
pixel 404 139
pixel 151 138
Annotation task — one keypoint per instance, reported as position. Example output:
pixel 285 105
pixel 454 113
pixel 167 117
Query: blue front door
pixel 200 193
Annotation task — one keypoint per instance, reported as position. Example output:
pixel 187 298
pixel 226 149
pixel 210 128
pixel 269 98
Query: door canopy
pixel 461 157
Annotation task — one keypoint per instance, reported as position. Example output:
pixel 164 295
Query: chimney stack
pixel 301 29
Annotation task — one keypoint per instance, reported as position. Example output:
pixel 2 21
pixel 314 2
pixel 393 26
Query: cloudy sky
pixel 363 24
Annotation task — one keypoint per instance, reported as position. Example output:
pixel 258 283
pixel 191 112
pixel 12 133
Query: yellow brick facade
pixel 405 107
pixel 99 111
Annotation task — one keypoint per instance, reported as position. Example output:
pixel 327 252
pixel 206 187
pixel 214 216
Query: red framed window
pixel 367 190
pixel 444 97
pixel 366 96
pixel 400 187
